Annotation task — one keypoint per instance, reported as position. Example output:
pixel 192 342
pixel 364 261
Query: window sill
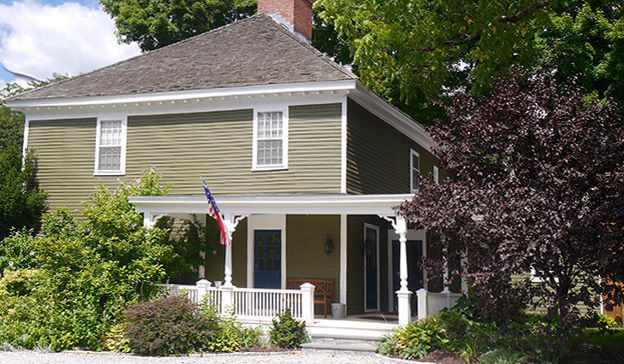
pixel 112 173
pixel 269 168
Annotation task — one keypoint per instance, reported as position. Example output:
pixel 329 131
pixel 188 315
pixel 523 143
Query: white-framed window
pixel 414 170
pixel 436 175
pixel 110 148
pixel 270 139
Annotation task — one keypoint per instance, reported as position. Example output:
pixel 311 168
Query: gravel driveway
pixel 291 357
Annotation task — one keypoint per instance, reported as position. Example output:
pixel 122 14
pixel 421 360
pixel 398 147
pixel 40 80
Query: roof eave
pixel 182 96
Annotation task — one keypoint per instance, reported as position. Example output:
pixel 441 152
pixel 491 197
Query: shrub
pixel 89 270
pixel 288 332
pixel 228 335
pixel 415 340
pixel 169 326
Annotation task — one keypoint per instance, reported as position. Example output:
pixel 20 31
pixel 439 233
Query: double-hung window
pixel 270 140
pixel 110 151
pixel 414 170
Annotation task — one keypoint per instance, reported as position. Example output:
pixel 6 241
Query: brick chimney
pixel 296 14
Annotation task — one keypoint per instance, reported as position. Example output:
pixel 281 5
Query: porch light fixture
pixel 329 245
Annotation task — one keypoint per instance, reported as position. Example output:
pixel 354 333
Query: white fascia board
pixel 396 118
pixel 288 204
pixel 191 95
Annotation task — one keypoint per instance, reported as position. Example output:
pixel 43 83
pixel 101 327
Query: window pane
pixel 270 138
pixel 110 159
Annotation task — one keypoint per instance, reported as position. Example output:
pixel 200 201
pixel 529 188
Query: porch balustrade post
pixel 227 300
pixel 307 302
pixel 422 303
pixel 202 289
pixel 403 294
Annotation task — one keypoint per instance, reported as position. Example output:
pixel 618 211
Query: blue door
pixel 268 259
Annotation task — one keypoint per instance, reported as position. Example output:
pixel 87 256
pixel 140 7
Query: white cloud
pixel 39 40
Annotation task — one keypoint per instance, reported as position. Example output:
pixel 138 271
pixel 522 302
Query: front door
pixel 371 268
pixel 268 258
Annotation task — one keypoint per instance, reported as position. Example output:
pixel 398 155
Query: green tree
pixel 408 51
pixel 21 201
pixel 67 286
pixel 12 122
pixel 154 24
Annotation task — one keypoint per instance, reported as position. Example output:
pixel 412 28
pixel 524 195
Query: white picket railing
pixel 430 303
pixel 182 290
pixel 251 303
pixel 266 303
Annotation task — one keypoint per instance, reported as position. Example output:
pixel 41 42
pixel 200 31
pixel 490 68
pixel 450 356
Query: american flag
pixel 216 214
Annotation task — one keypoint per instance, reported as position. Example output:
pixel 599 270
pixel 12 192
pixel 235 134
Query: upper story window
pixel 414 170
pixel 110 151
pixel 270 140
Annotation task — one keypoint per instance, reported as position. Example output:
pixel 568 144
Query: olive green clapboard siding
pixel 355 262
pixel 305 250
pixel 218 146
pixel 378 155
pixel 65 159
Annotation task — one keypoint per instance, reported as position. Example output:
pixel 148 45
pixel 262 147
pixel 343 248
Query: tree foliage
pixel 411 50
pixel 65 287
pixel 154 24
pixel 21 201
pixel 537 196
pixel 12 122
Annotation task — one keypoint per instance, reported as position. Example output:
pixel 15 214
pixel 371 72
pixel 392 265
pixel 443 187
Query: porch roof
pixel 274 204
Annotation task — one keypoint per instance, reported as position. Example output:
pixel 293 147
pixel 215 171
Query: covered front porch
pixel 356 241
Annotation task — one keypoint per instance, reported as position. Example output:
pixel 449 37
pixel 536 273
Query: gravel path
pixel 290 357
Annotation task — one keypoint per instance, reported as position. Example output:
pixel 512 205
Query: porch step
pixel 340 345
pixel 346 335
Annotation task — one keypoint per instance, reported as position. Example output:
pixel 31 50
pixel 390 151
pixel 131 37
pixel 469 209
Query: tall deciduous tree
pixel 411 50
pixel 21 202
pixel 154 24
pixel 537 195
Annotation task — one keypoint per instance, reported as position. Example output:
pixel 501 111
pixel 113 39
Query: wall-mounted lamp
pixel 329 245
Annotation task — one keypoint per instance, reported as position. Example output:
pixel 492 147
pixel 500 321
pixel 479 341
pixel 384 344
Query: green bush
pixel 228 335
pixel 89 270
pixel 415 340
pixel 288 332
pixel 169 326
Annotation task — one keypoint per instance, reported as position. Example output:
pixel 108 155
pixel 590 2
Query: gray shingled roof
pixel 250 52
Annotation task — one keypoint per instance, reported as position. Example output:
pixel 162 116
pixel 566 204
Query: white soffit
pixel 274 204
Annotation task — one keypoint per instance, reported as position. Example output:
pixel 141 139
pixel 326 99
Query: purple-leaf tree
pixel 534 210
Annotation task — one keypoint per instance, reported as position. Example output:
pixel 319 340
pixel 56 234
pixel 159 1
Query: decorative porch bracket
pixel 403 294
pixel 149 219
pixel 231 222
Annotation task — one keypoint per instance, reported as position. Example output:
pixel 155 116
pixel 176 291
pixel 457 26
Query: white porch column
pixel 343 259
pixel 422 303
pixel 230 221
pixel 403 294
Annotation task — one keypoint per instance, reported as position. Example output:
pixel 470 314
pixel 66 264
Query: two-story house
pixel 304 162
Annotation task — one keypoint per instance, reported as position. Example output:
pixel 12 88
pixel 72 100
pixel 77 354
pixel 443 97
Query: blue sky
pixel 42 37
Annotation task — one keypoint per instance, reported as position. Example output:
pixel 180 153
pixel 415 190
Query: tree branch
pixel 466 40
pixel 521 14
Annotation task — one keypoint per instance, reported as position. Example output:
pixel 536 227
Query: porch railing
pixel 251 303
pixel 430 303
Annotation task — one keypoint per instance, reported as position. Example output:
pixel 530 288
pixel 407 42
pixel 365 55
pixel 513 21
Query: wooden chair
pixel 323 291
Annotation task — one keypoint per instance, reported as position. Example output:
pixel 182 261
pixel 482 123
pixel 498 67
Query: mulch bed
pixel 442 357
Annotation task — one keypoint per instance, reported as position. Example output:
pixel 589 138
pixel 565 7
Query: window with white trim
pixel 110 151
pixel 270 140
pixel 414 170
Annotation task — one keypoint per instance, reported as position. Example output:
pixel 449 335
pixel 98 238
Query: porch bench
pixel 323 290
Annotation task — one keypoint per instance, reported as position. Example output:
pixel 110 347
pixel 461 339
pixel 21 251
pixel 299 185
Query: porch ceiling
pixel 274 204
